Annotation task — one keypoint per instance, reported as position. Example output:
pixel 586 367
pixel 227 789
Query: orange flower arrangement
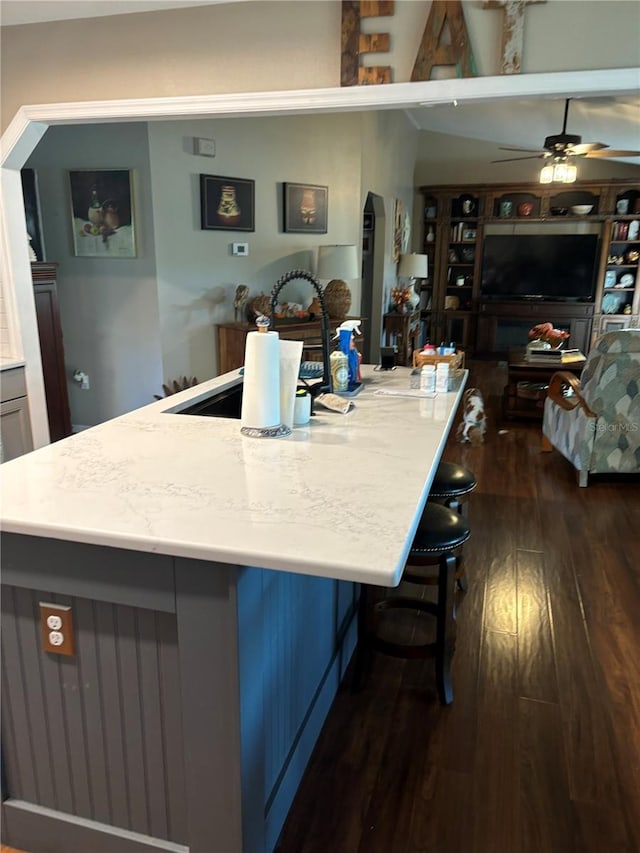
pixel 546 332
pixel 400 296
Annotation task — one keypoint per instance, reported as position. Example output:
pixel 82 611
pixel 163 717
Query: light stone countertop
pixel 339 498
pixel 10 362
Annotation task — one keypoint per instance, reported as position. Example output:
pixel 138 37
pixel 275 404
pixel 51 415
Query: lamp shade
pixel 337 262
pixel 414 266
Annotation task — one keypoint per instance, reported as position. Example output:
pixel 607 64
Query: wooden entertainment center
pixel 457 219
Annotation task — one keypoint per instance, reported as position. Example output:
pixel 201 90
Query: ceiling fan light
pixel 571 174
pixel 546 174
pixel 559 173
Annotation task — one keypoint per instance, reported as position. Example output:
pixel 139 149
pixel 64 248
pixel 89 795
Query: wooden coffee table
pixel 529 403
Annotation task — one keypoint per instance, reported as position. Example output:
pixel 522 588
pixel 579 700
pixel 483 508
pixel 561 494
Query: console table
pixel 232 339
pixel 520 370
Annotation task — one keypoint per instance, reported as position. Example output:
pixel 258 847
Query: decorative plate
pixel 626 280
pixel 612 302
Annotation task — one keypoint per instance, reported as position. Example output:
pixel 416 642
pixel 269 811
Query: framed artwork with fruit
pixel 102 213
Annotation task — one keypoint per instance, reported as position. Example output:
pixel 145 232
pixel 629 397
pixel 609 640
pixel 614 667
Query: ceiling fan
pixel 564 145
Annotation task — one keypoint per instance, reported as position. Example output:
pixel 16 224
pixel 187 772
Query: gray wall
pixel 132 324
pixel 108 307
pixel 197 274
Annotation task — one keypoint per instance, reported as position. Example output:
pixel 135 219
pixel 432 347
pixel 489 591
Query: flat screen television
pixel 554 267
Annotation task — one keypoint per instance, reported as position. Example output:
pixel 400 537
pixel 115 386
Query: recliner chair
pixel 594 421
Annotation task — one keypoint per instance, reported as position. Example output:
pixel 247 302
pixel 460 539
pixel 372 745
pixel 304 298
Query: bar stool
pixel 440 534
pixel 450 484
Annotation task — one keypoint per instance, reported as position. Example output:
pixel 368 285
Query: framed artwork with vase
pixel 305 208
pixel 102 213
pixel 227 204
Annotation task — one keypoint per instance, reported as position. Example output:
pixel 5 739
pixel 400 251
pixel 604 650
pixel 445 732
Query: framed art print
pixel 32 211
pixel 102 213
pixel 226 204
pixel 305 208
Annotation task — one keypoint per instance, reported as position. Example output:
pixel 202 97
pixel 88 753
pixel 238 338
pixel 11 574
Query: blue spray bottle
pixel 344 333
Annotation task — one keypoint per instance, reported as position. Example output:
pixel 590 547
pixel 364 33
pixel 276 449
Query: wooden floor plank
pixel 540 750
pixel 546 820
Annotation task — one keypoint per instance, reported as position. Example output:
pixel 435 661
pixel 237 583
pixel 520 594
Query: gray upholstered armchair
pixel 594 421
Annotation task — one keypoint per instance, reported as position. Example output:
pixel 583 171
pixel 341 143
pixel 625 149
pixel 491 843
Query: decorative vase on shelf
pixel 430 235
pixel 414 298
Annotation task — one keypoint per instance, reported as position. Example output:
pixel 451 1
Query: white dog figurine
pixel 474 423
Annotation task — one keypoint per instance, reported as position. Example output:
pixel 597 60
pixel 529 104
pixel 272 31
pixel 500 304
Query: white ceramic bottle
pixel 442 377
pixel 428 378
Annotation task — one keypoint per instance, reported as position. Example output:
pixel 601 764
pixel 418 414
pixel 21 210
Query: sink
pixel 226 403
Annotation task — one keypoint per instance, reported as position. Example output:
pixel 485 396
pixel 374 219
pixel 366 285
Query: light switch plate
pixel 205 147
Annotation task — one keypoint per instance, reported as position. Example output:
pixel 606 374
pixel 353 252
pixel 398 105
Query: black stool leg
pixel 362 663
pixel 461 578
pixel 445 627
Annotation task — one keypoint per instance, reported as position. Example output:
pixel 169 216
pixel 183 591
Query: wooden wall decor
pixel 354 43
pixel 512 31
pixel 431 52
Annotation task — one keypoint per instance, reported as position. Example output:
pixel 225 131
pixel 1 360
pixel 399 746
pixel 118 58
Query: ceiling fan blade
pixel 513 159
pixel 585 147
pixel 507 148
pixel 611 152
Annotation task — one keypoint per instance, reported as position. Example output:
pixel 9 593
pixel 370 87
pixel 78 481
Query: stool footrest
pixel 404 650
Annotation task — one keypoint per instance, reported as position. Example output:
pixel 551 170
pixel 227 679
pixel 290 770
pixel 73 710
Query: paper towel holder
pixel 327 382
pixel 279 430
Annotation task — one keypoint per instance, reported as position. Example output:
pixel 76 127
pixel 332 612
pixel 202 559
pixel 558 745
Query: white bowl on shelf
pixel 581 209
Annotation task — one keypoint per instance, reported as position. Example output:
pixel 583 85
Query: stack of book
pixel 554 356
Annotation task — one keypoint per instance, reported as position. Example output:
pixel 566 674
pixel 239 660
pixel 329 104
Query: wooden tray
pixel 454 361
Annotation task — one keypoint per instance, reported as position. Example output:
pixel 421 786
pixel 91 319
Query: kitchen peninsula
pixel 212 586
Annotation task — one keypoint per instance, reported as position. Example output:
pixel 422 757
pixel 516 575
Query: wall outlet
pixel 56 626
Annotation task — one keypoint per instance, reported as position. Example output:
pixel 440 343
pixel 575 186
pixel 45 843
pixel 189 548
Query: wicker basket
pixel 337 298
pixel 454 361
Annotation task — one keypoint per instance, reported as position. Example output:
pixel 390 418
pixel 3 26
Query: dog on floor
pixel 474 423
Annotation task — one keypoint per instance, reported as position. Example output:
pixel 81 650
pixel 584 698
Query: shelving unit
pixel 620 297
pixel 461 258
pixel 456 221
pixel 431 237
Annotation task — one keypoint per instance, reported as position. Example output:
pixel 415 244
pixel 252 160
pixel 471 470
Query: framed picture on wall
pixel 227 204
pixel 305 208
pixel 32 211
pixel 102 213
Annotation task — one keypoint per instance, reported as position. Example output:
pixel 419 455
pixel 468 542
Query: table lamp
pixel 337 263
pixel 413 266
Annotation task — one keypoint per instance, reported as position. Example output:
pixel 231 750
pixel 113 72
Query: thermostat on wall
pixel 204 147
pixel 240 249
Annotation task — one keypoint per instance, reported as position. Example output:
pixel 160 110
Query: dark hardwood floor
pixel 540 751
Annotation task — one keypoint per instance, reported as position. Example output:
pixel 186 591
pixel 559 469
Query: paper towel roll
pixel 290 355
pixel 261 393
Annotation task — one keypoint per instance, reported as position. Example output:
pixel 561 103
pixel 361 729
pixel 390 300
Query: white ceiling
pixel 614 121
